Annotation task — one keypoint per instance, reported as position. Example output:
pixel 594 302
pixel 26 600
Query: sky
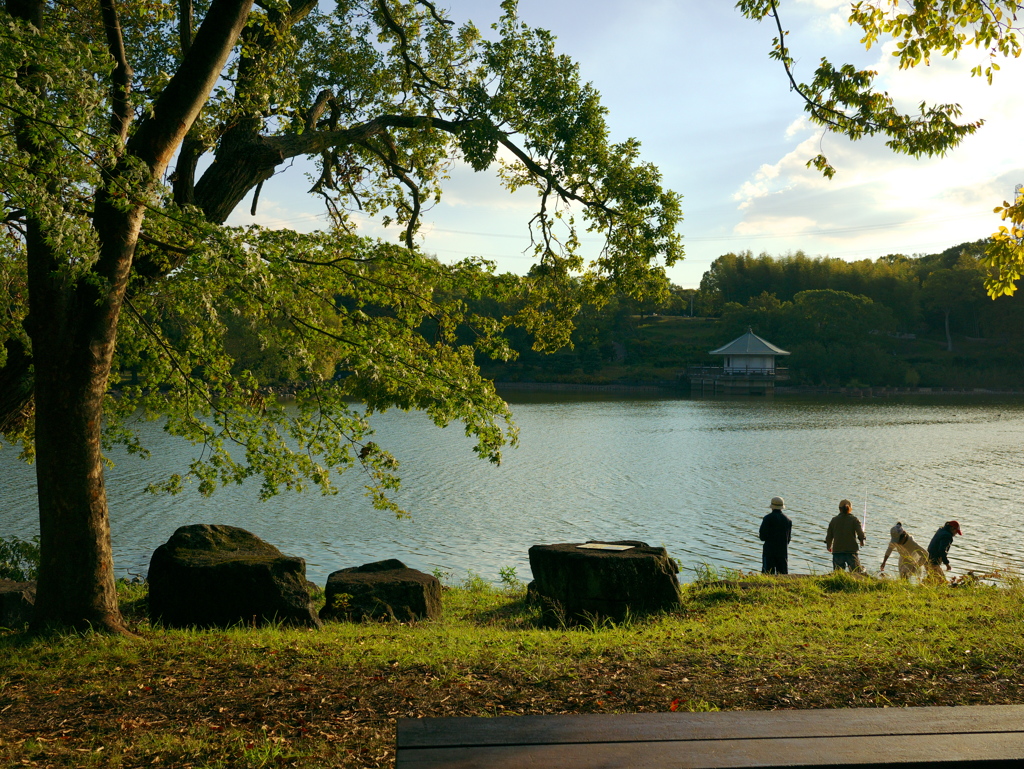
pixel 691 79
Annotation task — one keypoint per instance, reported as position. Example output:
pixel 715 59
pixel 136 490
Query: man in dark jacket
pixel 776 530
pixel 938 549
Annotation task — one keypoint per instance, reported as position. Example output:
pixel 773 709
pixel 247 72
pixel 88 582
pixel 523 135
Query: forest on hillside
pixel 898 320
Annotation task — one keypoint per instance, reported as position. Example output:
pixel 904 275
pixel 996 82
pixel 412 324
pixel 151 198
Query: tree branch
pixel 177 107
pixel 121 110
pixel 403 40
pixel 784 57
pixel 185 24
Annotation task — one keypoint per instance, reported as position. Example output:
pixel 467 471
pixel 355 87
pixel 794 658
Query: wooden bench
pixel 989 735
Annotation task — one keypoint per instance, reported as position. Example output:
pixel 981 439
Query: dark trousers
pixel 774 561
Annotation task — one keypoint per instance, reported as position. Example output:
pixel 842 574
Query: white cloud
pixel 797 126
pixel 837 23
pixel 825 4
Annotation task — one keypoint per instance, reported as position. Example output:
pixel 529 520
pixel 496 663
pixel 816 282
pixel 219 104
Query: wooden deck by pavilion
pixel 983 735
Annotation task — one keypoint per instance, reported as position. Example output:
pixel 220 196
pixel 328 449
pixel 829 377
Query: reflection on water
pixel 692 475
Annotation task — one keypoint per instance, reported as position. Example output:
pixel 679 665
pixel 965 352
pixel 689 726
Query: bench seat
pixel 983 735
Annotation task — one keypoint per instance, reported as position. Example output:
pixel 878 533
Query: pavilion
pixel 748 369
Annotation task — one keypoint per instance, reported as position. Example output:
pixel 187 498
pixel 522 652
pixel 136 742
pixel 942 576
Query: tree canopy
pixel 132 130
pixel 845 100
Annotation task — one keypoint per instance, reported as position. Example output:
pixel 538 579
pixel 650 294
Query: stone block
pixel 580 585
pixel 17 602
pixel 383 590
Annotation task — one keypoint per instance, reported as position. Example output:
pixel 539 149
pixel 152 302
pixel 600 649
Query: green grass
pixel 284 697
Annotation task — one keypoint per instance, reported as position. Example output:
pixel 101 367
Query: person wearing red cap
pixel 938 549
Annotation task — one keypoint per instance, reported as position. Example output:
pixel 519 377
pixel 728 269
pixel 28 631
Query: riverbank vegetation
pixel 278 697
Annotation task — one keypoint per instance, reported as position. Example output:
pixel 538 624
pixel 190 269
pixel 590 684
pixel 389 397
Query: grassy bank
pixel 267 698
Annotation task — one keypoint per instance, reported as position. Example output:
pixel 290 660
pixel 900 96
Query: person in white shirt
pixel 912 555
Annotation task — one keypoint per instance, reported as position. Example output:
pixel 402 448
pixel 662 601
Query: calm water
pixel 692 475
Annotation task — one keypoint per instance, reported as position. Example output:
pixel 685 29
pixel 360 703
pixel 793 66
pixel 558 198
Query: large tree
pixel 131 131
pixel 844 99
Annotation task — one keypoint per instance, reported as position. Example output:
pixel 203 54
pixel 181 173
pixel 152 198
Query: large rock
pixel 17 602
pixel 222 576
pixel 579 585
pixel 382 590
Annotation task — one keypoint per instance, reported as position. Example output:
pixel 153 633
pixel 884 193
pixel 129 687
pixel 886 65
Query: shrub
pixel 19 559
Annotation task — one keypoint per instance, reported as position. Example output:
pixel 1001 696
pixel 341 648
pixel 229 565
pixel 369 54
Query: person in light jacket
pixel 844 538
pixel 776 531
pixel 912 555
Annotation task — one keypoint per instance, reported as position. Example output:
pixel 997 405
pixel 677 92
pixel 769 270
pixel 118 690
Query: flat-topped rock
pixel 221 576
pixel 586 582
pixel 17 602
pixel 382 590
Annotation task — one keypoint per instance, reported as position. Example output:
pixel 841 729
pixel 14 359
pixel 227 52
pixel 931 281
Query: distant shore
pixel 671 387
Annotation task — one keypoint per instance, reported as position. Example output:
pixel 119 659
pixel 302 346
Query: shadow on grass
pixel 517 612
pixel 847 582
pixel 12 639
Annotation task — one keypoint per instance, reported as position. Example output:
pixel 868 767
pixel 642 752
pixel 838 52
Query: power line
pixel 687 239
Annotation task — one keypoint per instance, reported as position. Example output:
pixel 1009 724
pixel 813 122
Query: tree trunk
pixel 76 581
pixel 949 337
pixel 73 318
pixel 73 328
pixel 15 388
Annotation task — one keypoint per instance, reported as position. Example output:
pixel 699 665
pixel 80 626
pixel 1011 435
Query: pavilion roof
pixel 749 344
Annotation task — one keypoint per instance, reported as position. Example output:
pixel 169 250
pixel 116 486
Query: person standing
pixel 776 531
pixel 844 538
pixel 938 549
pixel 912 555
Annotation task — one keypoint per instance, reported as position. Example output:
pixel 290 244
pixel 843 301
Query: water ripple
pixel 692 475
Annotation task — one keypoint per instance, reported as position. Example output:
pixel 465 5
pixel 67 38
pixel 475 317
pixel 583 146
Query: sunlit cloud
pixel 881 198
pixel 274 215
pixel 797 126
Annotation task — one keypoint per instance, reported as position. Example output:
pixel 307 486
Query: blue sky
pixel 692 81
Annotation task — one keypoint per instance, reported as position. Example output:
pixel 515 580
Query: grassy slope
pixel 255 698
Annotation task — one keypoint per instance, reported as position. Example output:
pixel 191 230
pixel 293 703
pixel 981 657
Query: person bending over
pixel 938 549
pixel 912 555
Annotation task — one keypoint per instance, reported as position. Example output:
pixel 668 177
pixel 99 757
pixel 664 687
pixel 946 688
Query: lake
pixel 693 475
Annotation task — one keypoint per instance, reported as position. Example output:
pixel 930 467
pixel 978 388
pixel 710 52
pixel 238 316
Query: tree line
pixel 897 320
pixel 858 320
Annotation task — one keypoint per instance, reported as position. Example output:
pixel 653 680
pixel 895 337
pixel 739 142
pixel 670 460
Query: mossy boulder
pixel 222 576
